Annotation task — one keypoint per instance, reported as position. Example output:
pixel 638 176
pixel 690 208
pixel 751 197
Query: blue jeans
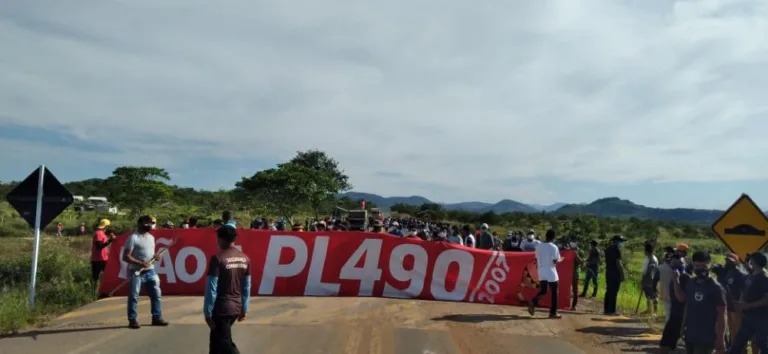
pixel 591 277
pixel 151 283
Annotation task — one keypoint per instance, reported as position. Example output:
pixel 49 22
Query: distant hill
pixel 607 207
pixel 504 206
pixel 548 208
pixel 621 208
pixel 387 202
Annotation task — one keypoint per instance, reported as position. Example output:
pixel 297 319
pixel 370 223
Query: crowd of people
pixel 712 308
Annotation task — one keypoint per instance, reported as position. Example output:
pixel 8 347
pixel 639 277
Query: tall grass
pixel 63 282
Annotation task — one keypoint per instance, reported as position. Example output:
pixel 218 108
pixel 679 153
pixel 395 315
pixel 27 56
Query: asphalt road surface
pixel 337 326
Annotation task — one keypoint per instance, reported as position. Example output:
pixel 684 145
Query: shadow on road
pixel 477 318
pixel 36 333
pixel 615 331
pixel 616 320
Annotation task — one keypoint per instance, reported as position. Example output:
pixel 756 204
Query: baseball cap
pixel 484 226
pixel 618 238
pixel 104 223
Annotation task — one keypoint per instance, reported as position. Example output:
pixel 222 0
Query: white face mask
pixel 572 244
pixel 154 226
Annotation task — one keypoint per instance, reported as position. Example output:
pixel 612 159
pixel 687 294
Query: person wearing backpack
pixel 650 279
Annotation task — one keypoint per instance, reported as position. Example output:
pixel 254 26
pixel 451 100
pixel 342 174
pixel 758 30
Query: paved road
pixel 336 326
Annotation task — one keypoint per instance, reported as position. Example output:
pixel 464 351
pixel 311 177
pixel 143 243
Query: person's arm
pixel 679 292
pixel 557 258
pixel 246 292
pixel 720 326
pixel 620 265
pixel 128 250
pixel 211 287
pixel 762 302
pixel 100 241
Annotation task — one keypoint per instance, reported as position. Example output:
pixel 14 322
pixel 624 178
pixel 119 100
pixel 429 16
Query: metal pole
pixel 36 249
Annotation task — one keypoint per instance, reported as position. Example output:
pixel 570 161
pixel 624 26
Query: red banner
pixel 354 264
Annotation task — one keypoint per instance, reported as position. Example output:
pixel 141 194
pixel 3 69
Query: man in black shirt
pixel 227 291
pixel 705 308
pixel 593 266
pixel 754 308
pixel 674 325
pixel 614 274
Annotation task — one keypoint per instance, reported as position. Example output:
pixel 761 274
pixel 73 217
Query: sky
pixel 661 102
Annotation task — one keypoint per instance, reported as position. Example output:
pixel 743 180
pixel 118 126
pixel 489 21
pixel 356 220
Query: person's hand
pixel 112 236
pixel 210 323
pixel 146 264
pixel 157 257
pixel 676 275
pixel 241 317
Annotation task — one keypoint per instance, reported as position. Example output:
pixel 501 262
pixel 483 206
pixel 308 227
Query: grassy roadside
pixel 63 280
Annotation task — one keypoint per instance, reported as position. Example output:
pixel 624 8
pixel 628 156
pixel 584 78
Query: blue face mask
pixel 621 245
pixel 681 269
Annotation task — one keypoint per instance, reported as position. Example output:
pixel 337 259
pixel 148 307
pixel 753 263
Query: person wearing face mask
pixel 754 308
pixel 614 274
pixel 486 240
pixel 705 304
pixel 674 324
pixel 139 253
pixel 227 291
pixel 733 281
pixel 154 223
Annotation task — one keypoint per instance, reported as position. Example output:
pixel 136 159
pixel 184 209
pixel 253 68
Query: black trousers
pixel 612 287
pixel 221 336
pixel 543 285
pixel 97 267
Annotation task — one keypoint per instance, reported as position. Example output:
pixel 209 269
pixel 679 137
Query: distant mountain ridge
pixel 606 207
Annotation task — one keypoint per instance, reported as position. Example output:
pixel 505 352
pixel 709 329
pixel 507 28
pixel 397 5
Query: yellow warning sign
pixel 743 227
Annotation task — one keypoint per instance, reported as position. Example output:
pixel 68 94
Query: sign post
pixel 36 248
pixel 743 228
pixel 39 199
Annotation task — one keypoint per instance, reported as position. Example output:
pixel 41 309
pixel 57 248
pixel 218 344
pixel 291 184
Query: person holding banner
pixel 227 291
pixel 139 253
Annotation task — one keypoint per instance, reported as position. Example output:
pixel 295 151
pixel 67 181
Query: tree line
pixel 310 184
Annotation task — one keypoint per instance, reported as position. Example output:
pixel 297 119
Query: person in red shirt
pixel 100 249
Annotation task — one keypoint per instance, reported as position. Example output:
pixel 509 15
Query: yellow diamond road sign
pixel 743 227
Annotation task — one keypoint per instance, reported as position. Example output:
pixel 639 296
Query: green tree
pixel 138 188
pixel 321 162
pixel 289 186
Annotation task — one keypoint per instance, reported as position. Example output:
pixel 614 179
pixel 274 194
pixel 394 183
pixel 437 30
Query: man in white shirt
pixel 529 245
pixel 547 258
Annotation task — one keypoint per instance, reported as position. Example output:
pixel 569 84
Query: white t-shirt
pixel 546 255
pixel 470 241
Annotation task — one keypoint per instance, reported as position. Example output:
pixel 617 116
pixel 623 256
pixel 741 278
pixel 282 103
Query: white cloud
pixel 446 92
